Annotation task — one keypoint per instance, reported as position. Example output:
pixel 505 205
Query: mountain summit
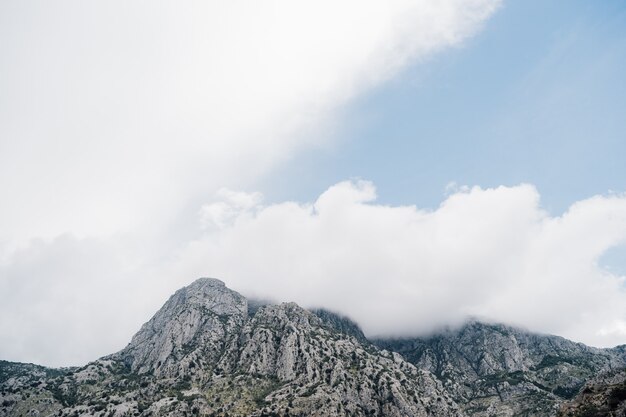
pixel 193 326
pixel 204 353
pixel 209 352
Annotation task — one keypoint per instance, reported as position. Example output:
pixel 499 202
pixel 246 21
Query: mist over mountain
pixel 211 352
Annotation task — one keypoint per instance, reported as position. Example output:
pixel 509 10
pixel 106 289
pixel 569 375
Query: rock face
pixel 603 395
pixel 497 370
pixel 204 353
pixel 210 352
pixel 194 326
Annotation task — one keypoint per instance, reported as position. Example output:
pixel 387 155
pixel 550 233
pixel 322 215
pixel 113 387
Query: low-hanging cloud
pixel 488 253
pixel 397 270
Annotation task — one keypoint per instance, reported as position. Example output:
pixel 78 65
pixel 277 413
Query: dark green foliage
pixel 617 395
pixel 16 369
pixel 67 395
pixel 566 392
pixel 512 378
pixel 552 360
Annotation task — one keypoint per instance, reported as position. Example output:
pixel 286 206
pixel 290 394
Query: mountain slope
pixel 603 395
pixel 204 354
pixel 194 327
pixel 211 352
pixel 494 370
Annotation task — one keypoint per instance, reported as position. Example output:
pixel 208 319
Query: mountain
pixel 498 370
pixel 211 352
pixel 204 354
pixel 603 395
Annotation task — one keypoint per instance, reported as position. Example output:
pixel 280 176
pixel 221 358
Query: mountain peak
pixel 203 282
pixel 199 315
pixel 208 351
pixel 210 294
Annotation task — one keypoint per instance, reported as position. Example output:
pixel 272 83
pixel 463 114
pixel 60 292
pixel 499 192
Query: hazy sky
pixel 407 163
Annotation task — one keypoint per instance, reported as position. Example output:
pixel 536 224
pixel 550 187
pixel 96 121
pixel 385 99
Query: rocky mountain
pixel 204 354
pixel 603 395
pixel 211 352
pixel 497 370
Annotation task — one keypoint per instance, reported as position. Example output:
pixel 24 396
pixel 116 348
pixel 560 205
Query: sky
pixel 408 164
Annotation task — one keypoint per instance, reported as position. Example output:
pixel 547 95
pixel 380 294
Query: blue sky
pixel 538 96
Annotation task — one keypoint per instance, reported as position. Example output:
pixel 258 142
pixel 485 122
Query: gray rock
pixel 204 353
pixel 195 324
pixel 208 351
pixel 493 369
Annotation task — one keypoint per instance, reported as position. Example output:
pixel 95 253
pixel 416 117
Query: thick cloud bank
pixel 490 253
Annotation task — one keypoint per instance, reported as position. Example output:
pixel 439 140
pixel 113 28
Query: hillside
pixel 210 352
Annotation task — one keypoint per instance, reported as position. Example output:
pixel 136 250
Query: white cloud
pixel 490 253
pixel 118 115
pixel 118 118
pixel 233 204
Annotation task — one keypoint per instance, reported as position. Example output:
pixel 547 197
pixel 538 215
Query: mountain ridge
pixel 210 351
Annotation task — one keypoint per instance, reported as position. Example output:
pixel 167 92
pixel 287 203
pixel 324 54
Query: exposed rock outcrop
pixel 209 351
pixel 602 396
pixel 204 354
pixel 194 326
pixel 497 370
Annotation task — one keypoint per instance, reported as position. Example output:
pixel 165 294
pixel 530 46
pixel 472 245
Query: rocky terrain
pixel 204 353
pixel 603 395
pixel 492 369
pixel 211 352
